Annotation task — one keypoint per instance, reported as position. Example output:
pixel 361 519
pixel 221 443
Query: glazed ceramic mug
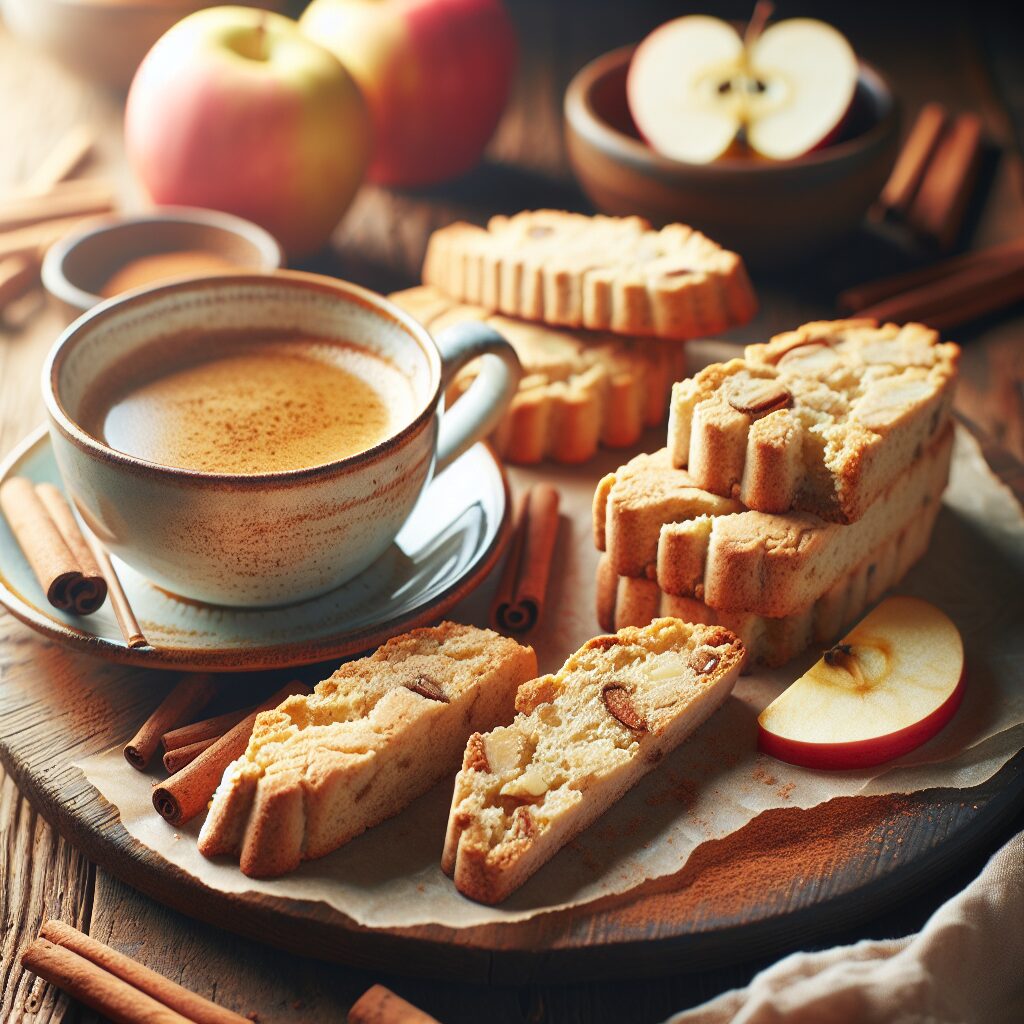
pixel 262 539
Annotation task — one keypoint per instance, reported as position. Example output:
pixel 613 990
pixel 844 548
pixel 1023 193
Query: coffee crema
pixel 243 404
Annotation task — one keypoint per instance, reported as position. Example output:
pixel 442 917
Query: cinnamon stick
pixel 50 538
pixel 126 621
pixel 186 794
pixel 379 1005
pixel 913 160
pixel 95 987
pixel 59 511
pixel 63 160
pixel 33 241
pixel 176 759
pixel 519 601
pixel 208 728
pixel 873 292
pixel 190 1005
pixel 190 695
pixel 17 275
pixel 82 199
pixel 956 298
pixel 937 212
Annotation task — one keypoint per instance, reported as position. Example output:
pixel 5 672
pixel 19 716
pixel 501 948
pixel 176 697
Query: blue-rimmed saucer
pixel 446 548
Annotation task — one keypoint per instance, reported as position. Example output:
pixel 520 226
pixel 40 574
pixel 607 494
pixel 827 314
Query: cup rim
pixel 344 290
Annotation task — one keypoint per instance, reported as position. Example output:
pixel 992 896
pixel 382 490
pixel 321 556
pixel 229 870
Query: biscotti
pixel 630 601
pixel 770 565
pixel 582 738
pixel 579 390
pixel 632 505
pixel 602 273
pixel 378 733
pixel 823 419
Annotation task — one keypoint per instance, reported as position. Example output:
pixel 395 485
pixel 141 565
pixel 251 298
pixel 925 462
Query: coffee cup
pixel 252 537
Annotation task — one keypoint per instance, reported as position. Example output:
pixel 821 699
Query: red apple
pixel 888 686
pixel 435 74
pixel 235 109
pixel 694 84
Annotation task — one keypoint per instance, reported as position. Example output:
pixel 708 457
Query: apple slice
pixel 809 73
pixel 679 88
pixel 694 84
pixel 888 686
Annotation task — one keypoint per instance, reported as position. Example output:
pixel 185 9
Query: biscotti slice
pixel 602 273
pixel 629 601
pixel 321 769
pixel 632 505
pixel 579 389
pixel 775 565
pixel 822 419
pixel 582 738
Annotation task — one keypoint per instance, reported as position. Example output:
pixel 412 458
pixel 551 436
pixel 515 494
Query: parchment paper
pixel 713 784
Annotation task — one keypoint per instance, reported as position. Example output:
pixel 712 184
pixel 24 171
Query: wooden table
pixel 967 59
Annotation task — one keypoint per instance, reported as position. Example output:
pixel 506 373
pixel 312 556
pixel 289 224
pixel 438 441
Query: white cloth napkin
pixel 966 966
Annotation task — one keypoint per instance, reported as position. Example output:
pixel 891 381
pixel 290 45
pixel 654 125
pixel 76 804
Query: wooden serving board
pixel 789 878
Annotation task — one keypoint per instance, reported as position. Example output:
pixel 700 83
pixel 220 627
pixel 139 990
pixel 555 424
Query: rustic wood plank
pixel 43 876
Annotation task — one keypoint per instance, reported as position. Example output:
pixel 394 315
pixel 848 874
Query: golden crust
pixel 747 561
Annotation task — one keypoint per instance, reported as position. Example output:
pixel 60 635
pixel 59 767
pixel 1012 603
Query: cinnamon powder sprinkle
pixel 761 864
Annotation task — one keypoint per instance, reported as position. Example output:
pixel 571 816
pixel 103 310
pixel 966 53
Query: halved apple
pixel 888 686
pixel 694 84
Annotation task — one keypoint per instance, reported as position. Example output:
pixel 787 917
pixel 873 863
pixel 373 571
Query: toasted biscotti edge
pixel 630 601
pixel 776 565
pixel 517 266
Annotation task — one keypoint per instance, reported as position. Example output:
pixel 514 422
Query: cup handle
pixel 478 410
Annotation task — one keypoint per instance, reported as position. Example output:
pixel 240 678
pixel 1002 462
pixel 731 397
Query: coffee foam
pixel 249 402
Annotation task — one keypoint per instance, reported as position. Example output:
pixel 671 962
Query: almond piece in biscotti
pixel 619 702
pixel 889 400
pixel 756 396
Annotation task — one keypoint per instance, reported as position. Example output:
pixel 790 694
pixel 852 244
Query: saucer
pixel 446 548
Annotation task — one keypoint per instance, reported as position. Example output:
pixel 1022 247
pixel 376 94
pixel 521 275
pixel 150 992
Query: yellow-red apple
pixel 435 74
pixel 888 686
pixel 237 110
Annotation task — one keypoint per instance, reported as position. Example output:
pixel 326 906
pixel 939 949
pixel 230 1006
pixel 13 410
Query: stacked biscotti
pixel 595 308
pixel 799 483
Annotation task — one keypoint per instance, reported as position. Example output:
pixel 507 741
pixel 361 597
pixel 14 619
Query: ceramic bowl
pixel 104 40
pixel 76 268
pixel 770 212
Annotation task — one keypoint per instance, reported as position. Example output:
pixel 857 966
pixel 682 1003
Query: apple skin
pixel 862 753
pixel 888 686
pixel 235 109
pixel 436 76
